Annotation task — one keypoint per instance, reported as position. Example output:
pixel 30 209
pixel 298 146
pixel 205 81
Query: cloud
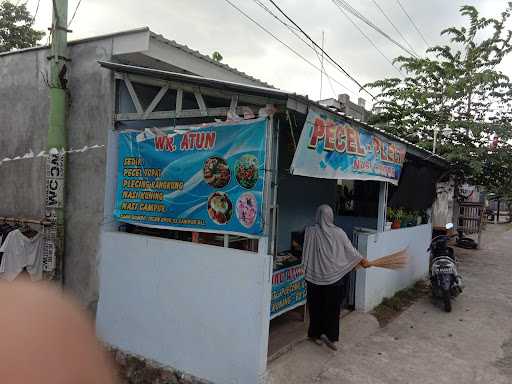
pixel 213 25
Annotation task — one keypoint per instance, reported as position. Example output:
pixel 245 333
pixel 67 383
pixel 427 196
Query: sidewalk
pixel 472 344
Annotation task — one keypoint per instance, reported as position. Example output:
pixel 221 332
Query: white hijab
pixel 328 253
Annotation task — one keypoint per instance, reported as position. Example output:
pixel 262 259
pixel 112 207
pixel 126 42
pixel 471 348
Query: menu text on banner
pixel 332 148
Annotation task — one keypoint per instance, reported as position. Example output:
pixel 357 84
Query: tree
pixel 16 30
pixel 217 56
pixel 456 90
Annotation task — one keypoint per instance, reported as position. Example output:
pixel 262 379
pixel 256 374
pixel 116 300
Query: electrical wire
pixel 343 4
pixel 74 13
pixel 394 26
pixel 413 23
pixel 370 40
pixel 35 13
pixel 361 87
pixel 294 31
pixel 283 43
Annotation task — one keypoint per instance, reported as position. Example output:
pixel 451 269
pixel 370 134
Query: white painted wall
pixel 374 284
pixel 198 308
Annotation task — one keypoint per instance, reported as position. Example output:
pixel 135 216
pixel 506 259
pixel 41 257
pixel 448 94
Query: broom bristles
pixel 397 260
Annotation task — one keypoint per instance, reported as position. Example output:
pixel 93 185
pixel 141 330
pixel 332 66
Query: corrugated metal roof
pixel 80 41
pixel 208 59
pixel 264 91
pixel 158 37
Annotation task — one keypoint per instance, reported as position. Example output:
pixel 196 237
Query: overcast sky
pixel 210 25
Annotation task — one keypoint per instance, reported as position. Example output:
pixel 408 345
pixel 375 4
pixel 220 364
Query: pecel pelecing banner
pixel 206 178
pixel 332 148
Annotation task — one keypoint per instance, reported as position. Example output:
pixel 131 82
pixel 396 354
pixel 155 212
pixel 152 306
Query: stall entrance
pixel 355 203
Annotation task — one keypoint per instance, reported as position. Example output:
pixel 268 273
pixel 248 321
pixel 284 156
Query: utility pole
pixel 322 67
pixel 57 139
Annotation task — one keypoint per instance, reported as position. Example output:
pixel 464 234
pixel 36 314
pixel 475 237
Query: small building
pixel 24 114
pixel 189 184
pixel 344 105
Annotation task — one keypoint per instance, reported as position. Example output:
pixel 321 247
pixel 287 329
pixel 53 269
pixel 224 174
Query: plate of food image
pixel 216 172
pixel 246 171
pixel 220 208
pixel 246 209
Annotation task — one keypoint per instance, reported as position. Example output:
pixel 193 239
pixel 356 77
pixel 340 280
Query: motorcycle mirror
pixel 449 226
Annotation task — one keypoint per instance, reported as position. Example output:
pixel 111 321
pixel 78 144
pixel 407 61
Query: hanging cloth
pixel 20 251
pixel 328 253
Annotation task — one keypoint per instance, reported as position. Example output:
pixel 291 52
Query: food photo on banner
pixel 201 178
pixel 334 149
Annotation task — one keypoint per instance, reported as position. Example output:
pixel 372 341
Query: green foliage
pixel 16 30
pixel 217 56
pixel 457 90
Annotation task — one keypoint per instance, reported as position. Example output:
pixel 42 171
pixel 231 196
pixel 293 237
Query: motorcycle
pixel 465 242
pixel 445 281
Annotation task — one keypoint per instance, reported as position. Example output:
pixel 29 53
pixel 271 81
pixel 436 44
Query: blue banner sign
pixel 331 148
pixel 288 290
pixel 200 178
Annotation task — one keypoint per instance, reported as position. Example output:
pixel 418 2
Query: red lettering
pixel 185 146
pixel 360 149
pixel 159 143
pixel 341 144
pixel 391 153
pixel 200 140
pixel 351 141
pixel 384 152
pixel 330 136
pixel 376 146
pixel 209 142
pixel 164 143
pixel 318 133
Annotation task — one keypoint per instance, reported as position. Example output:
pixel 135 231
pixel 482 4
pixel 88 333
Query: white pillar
pixel 383 204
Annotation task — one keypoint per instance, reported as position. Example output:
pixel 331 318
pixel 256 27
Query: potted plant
pixel 389 219
pixel 406 218
pixel 419 218
pixel 395 215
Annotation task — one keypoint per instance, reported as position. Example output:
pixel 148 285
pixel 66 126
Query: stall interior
pixel 356 207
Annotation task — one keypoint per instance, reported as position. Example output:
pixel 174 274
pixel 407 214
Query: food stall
pixel 210 184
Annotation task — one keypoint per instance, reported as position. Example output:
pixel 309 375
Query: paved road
pixel 470 345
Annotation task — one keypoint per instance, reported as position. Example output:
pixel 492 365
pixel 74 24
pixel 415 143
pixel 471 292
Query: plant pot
pixel 395 224
pixel 388 225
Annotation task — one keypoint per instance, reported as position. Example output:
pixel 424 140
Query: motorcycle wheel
pixel 447 300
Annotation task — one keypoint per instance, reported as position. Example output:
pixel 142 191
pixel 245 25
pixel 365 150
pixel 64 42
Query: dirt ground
pixel 424 344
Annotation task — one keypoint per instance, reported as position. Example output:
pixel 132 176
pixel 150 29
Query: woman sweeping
pixel 328 255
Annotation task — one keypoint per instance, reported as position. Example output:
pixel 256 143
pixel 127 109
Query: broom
pixel 397 260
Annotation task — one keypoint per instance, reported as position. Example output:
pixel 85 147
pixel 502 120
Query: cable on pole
pixel 74 13
pixel 283 43
pixel 370 40
pixel 361 87
pixel 343 4
pixel 36 12
pixel 296 34
pixel 413 23
pixel 394 26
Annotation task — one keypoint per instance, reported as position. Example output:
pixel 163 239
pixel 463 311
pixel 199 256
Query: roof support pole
pixel 383 205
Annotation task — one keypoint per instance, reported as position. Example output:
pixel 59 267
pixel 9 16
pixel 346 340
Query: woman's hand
pixel 365 263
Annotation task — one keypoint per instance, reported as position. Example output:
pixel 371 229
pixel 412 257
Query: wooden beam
pixel 133 95
pixel 214 112
pixel 156 100
pixel 234 103
pixel 206 91
pixel 179 101
pixel 201 103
